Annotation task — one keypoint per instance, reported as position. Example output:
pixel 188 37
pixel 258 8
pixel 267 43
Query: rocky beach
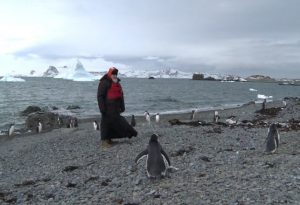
pixel 218 163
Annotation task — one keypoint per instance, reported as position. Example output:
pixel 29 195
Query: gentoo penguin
pixel 272 140
pixel 39 127
pixel 216 116
pixel 132 123
pixel 75 122
pixel 284 103
pixel 11 129
pixel 59 121
pixel 193 115
pixel 69 122
pixel 157 160
pixel 157 118
pixel 147 115
pixel 96 125
pixel 264 104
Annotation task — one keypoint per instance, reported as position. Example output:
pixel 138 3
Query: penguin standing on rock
pixel 272 140
pixel 39 127
pixel 132 123
pixel 157 160
pixel 11 129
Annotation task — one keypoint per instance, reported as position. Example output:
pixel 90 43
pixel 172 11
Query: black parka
pixel 105 105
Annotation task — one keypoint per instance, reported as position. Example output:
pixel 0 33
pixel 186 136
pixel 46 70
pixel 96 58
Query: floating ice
pixel 260 96
pixel 9 78
pixel 252 90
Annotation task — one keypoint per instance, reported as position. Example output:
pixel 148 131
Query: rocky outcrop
pixel 260 78
pixel 50 121
pixel 198 76
pixel 51 72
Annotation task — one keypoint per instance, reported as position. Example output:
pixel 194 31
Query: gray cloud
pixel 195 35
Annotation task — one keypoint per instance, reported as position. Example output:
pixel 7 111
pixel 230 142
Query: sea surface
pixel 156 96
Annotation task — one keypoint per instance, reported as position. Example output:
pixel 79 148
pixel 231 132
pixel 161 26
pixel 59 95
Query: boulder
pixel 48 120
pixel 30 109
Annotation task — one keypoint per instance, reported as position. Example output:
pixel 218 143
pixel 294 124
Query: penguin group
pixel 72 122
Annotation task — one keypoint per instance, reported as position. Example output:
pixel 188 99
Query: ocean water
pixel 158 95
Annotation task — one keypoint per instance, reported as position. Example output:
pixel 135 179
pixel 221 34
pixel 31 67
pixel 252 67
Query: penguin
pixel 193 115
pixel 264 104
pixel 133 123
pixel 39 128
pixel 157 118
pixel 75 122
pixel 11 129
pixel 147 115
pixel 69 123
pixel 59 121
pixel 216 117
pixel 96 125
pixel 284 103
pixel 273 138
pixel 157 161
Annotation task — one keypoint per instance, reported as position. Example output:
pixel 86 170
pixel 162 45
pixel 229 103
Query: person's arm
pixel 101 95
pixel 122 102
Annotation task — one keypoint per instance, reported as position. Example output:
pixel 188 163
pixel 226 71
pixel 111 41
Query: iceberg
pixel 77 74
pixel 9 78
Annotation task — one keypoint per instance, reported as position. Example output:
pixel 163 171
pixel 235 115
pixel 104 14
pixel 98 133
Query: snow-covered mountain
pixel 165 73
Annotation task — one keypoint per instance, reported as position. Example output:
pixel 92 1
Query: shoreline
pixel 68 166
pixel 168 115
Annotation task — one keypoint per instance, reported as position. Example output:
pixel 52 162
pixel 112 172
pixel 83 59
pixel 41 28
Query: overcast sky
pixel 216 36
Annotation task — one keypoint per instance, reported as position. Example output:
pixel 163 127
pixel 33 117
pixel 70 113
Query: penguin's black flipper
pixel 141 155
pixel 166 156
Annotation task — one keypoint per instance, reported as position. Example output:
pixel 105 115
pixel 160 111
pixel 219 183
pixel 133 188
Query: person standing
pixel 111 104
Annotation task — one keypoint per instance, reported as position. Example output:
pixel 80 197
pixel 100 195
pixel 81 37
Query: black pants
pixel 115 126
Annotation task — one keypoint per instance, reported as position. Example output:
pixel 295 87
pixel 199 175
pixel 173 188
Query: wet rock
pixel 73 107
pixel 71 184
pixel 270 111
pixel 205 158
pixel 70 168
pixel 30 109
